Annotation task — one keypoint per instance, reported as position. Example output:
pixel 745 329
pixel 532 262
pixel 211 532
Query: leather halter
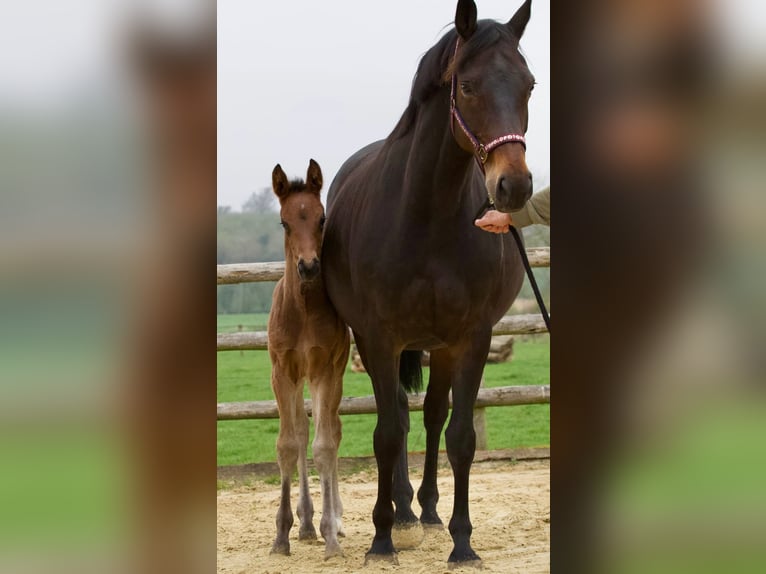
pixel 481 151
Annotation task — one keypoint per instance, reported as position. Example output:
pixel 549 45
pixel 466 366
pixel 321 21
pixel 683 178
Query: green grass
pixel 245 376
pixel 249 322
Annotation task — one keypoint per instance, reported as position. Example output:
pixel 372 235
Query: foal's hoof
pixel 408 535
pixel 307 533
pixel 331 551
pixel 384 558
pixel 280 548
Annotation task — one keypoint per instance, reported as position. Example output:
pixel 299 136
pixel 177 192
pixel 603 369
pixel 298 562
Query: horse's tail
pixel 411 371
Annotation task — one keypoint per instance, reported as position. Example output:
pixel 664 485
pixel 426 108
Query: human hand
pixel 495 222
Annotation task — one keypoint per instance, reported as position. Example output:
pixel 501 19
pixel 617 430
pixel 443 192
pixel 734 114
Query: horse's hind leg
pixel 287 455
pixel 305 504
pixel 435 410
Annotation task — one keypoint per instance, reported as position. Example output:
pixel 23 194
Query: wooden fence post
pixel 480 424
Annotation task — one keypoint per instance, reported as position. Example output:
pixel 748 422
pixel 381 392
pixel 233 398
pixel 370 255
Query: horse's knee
pixel 325 452
pixel 461 442
pixel 388 438
pixel 287 450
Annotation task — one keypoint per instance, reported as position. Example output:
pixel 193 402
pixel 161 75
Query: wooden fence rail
pixel 493 397
pixel 273 271
pixel 258 340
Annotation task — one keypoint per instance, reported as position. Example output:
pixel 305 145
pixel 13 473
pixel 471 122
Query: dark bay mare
pixel 407 269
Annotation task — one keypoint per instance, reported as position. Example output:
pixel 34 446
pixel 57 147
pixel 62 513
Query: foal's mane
pixel 436 67
pixel 296 185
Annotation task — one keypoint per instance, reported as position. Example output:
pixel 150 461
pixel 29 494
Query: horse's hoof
pixel 308 533
pixel 333 551
pixel 432 521
pixel 387 558
pixel 467 558
pixel 408 535
pixel 466 564
pixel 280 548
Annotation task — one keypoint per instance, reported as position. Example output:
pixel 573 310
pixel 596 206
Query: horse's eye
pixel 321 222
pixel 286 227
pixel 466 88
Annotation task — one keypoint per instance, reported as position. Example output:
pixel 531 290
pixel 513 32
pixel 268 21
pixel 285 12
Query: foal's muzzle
pixel 308 271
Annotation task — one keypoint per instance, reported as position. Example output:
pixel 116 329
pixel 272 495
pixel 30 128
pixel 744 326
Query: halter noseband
pixel 481 151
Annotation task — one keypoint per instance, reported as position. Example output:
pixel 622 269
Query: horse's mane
pixel 296 185
pixel 436 67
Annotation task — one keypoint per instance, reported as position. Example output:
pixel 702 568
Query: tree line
pixel 254 235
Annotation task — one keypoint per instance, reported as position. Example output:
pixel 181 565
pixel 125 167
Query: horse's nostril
pixel 503 185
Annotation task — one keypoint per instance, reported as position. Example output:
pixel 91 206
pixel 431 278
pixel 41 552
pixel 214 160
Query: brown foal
pixel 307 340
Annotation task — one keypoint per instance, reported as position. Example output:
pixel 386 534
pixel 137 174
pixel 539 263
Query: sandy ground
pixel 510 511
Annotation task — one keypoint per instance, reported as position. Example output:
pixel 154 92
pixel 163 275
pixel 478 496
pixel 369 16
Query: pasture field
pixel 245 376
pixel 249 322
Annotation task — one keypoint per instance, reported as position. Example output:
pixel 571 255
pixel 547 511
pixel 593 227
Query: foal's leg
pixel 461 439
pixel 435 409
pixel 284 388
pixel 325 448
pixel 382 364
pixel 305 504
pixel 340 368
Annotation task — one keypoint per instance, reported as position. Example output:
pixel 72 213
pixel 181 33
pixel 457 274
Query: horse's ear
pixel 314 177
pixel 465 18
pixel 279 182
pixel 519 21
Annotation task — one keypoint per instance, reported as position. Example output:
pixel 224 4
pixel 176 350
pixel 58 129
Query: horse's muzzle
pixel 308 271
pixel 512 192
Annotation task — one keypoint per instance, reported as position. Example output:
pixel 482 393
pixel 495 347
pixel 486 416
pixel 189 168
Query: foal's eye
pixel 321 222
pixel 466 88
pixel 286 227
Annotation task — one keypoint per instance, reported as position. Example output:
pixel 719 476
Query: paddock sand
pixel 510 511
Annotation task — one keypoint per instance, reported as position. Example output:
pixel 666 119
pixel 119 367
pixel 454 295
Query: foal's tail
pixel 411 371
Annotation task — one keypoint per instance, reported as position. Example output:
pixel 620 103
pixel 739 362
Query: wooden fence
pixel 254 340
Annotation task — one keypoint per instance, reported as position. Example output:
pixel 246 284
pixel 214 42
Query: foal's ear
pixel 314 177
pixel 465 18
pixel 279 182
pixel 519 21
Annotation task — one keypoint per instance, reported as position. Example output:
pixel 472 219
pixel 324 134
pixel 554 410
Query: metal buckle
pixel 482 153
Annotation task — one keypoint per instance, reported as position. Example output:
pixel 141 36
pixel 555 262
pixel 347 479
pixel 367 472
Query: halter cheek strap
pixel 481 151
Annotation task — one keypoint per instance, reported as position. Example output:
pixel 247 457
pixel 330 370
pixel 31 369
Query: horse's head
pixel 302 217
pixel 492 85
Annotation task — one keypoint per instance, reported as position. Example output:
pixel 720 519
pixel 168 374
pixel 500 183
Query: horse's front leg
pixel 288 443
pixel 325 400
pixel 461 439
pixel 407 532
pixel 435 410
pixel 305 504
pixel 382 363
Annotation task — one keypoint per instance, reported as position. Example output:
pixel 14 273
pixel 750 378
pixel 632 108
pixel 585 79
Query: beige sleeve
pixel 536 210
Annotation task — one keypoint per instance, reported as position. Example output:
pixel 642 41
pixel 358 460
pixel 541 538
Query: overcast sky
pixel 301 79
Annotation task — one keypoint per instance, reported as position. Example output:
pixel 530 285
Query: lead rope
pixel 527 267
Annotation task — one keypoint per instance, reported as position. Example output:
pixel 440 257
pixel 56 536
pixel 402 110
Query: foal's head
pixel 493 89
pixel 302 218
